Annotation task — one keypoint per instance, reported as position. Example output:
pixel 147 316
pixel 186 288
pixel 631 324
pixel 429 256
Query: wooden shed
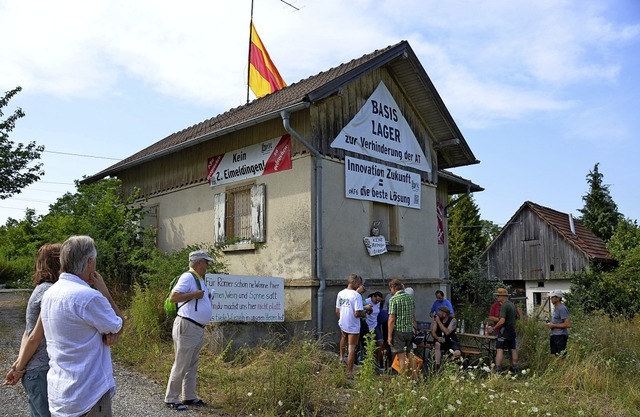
pixel 538 249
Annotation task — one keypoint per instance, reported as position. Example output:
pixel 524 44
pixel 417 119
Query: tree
pixel 16 172
pixel 625 238
pixel 468 238
pixel 490 230
pixel 98 210
pixel 600 213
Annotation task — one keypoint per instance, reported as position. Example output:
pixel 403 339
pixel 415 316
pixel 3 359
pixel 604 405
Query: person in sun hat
pixel 559 324
pixel 506 328
pixel 188 332
pixel 494 315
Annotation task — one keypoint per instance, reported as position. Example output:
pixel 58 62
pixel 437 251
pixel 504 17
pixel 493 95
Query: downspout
pixel 318 224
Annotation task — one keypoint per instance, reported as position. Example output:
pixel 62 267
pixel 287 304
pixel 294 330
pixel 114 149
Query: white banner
pixel 366 180
pixel 376 245
pixel 246 298
pixel 379 130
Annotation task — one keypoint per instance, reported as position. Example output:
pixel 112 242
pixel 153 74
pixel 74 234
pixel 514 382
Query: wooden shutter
pixel 218 217
pixel 258 197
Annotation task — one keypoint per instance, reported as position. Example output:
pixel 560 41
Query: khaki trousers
pixel 102 407
pixel 187 341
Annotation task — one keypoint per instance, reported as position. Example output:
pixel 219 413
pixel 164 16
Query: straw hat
pixel 501 291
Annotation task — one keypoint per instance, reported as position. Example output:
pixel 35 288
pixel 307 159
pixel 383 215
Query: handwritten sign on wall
pixel 246 298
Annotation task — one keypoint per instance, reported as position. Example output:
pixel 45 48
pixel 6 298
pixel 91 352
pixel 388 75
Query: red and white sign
pixel 253 161
pixel 440 214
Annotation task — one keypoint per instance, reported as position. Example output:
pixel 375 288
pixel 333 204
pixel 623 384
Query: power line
pixel 31 200
pixel 58 183
pixel 20 208
pixel 83 156
pixel 290 5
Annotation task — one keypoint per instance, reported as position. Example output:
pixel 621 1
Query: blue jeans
pixel 35 383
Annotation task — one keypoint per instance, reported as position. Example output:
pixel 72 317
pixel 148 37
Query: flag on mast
pixel 264 77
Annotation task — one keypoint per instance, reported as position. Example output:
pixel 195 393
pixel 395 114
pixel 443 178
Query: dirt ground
pixel 13 400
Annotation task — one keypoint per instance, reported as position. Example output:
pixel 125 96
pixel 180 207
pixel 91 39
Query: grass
pixel 600 376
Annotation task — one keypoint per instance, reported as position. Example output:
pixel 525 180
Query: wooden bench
pixel 470 352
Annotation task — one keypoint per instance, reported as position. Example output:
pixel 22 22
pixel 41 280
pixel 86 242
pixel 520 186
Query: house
pixel 293 182
pixel 538 250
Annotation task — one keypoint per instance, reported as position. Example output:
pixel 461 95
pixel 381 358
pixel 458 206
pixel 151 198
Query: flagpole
pixel 249 52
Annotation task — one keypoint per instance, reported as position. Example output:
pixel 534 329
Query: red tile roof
pixel 584 239
pixel 401 60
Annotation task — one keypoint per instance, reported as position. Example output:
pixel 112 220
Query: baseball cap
pixel 199 254
pixel 556 293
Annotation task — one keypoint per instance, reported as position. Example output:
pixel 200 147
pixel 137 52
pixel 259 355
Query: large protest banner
pixel 366 180
pixel 380 130
pixel 246 298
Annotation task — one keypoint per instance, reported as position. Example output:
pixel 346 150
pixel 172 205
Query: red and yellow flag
pixel 264 77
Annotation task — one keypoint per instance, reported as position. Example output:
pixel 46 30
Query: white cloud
pixel 491 60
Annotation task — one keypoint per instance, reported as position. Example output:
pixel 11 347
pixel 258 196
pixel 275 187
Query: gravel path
pixel 135 394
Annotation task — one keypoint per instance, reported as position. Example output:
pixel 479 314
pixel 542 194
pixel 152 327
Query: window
pixel 148 221
pixel 387 216
pixel 239 215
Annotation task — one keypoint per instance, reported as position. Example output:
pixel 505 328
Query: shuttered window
pixel 239 214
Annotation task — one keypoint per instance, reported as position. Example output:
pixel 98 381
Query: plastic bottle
pixel 481 332
pixel 462 327
pixel 486 329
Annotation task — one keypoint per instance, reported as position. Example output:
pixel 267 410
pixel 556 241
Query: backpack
pixel 171 309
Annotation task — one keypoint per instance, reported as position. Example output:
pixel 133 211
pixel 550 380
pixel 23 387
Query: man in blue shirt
pixel 441 301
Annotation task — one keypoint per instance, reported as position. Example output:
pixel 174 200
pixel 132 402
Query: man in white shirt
pixel 349 310
pixel 80 323
pixel 194 312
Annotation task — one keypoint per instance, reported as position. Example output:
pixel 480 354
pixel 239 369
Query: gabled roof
pixel 584 239
pixel 400 60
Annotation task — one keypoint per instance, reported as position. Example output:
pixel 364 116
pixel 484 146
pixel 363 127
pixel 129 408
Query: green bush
pixel 17 272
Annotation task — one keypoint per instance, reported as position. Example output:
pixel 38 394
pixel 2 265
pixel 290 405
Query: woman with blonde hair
pixel 32 364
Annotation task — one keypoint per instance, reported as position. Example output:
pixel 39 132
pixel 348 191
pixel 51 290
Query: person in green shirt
pixel 402 321
pixel 506 330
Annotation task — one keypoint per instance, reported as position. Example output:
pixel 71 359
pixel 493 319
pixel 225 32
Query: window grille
pixel 238 213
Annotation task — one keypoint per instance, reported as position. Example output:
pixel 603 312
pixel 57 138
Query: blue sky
pixel 541 90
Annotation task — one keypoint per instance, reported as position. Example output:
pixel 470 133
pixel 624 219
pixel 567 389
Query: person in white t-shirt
pixel 375 300
pixel 349 310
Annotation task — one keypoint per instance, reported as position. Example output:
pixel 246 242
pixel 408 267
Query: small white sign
pixel 246 298
pixel 376 245
pixel 366 180
pixel 379 130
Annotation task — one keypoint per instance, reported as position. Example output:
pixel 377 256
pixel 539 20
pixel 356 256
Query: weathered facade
pixel 302 226
pixel 538 249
